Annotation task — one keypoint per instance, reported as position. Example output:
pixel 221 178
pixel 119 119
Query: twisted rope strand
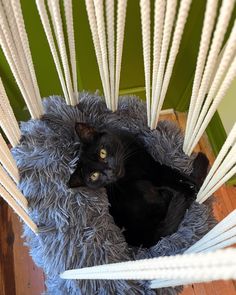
pixel 19 211
pixel 168 25
pixel 71 41
pixel 208 25
pixel 111 48
pixel 48 32
pixel 4 102
pixel 14 60
pixel 93 27
pixel 227 176
pixel 145 21
pixel 159 15
pixel 230 76
pixel 121 15
pixel 204 267
pixel 218 37
pixel 231 139
pixel 178 32
pixel 6 126
pixel 14 29
pixel 98 5
pixel 54 9
pixel 229 53
pixel 7 160
pixel 11 187
pixel 36 99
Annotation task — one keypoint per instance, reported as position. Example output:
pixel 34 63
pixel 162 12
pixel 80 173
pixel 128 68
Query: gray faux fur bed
pixel 76 229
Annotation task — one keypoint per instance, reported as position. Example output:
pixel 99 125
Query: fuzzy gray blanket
pixel 76 229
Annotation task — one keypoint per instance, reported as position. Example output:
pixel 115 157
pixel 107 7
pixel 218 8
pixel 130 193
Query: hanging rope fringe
pixel 167 30
pixel 18 209
pixel 8 122
pixel 121 13
pixel 163 64
pixel 15 45
pixel 208 25
pixel 191 267
pixel 68 8
pixel 105 49
pixel 11 187
pixel 223 168
pixel 201 109
pixel 145 20
pixel 222 235
pixel 8 161
pixel 8 189
pixel 54 10
pixel 69 89
pixel 111 49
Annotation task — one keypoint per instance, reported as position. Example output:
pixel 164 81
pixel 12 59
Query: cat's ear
pixel 85 132
pixel 76 179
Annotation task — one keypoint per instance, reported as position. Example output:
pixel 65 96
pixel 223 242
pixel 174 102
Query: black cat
pixel 148 199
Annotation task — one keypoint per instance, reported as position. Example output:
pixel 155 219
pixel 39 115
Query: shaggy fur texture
pixel 76 229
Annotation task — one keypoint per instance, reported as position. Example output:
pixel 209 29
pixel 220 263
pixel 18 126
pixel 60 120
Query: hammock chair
pixel 70 233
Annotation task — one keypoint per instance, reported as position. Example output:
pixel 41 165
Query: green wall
pixel 132 74
pixel 227 108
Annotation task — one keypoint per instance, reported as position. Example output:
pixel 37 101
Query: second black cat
pixel 147 199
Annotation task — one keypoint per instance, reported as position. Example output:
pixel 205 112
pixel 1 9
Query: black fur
pixel 148 199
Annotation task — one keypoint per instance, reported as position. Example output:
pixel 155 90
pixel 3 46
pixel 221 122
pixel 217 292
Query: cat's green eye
pixel 94 176
pixel 103 153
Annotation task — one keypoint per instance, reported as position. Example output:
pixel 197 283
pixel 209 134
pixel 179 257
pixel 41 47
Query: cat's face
pixel 101 158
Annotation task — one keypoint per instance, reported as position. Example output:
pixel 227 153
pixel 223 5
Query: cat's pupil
pixel 94 176
pixel 103 154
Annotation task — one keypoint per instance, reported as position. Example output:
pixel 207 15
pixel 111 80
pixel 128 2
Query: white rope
pixel 192 267
pixel 98 5
pixel 5 124
pixel 71 42
pixel 54 10
pixel 18 210
pixel 108 56
pixel 218 37
pixel 168 25
pixel 159 15
pixel 8 115
pixel 19 59
pixel 222 227
pixel 17 72
pixel 228 175
pixel 47 29
pixel 146 39
pixel 229 53
pixel 93 27
pixel 221 236
pixel 178 32
pixel 14 61
pixel 231 139
pixel 25 44
pixel 11 187
pixel 208 25
pixel 7 160
pixel 121 14
pixel 14 29
pixel 111 48
pixel 226 165
pixel 230 76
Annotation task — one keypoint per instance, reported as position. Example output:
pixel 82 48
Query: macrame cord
pixel 215 70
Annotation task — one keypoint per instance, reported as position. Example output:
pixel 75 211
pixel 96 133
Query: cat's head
pixel 101 158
